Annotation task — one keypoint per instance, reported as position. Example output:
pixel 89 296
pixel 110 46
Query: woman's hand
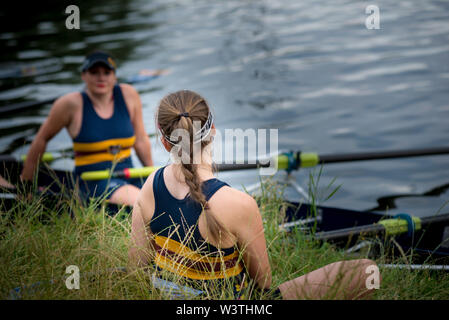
pixel 5 184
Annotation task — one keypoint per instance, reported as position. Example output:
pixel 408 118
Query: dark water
pixel 309 68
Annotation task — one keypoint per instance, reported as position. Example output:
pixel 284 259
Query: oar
pixel 46 157
pixel 411 267
pixel 141 77
pixel 50 156
pixel 128 173
pixel 26 105
pixel 293 161
pixel 386 227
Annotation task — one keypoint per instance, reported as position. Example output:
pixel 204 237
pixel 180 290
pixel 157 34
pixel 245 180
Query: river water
pixel 310 69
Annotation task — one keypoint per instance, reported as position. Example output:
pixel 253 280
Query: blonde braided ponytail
pixel 179 110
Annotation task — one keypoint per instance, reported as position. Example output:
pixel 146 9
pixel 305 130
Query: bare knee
pixel 373 277
pixel 360 277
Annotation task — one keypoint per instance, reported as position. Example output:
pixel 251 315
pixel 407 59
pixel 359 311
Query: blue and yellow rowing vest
pixel 180 248
pixel 103 141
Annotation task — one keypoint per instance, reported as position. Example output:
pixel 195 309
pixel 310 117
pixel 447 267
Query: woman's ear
pixel 166 144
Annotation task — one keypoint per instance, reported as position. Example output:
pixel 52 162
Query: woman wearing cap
pixel 104 122
pixel 206 234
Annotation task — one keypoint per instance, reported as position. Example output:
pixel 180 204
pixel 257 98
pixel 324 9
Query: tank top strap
pixel 163 198
pixel 160 192
pixel 210 187
pixel 88 107
pixel 89 117
pixel 158 183
pixel 86 101
pixel 119 102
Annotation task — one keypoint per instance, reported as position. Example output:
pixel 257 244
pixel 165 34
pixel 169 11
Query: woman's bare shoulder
pixel 237 211
pixel 128 90
pixel 235 203
pixel 71 97
pixel 145 199
pixel 70 100
pixel 147 188
pixel 62 113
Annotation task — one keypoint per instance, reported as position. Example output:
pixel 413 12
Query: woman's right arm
pixel 59 117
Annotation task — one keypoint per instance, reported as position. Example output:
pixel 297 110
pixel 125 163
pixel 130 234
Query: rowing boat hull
pixel 326 222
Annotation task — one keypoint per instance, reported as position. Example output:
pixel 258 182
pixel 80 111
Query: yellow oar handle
pixel 399 226
pixel 46 157
pixel 288 161
pixel 309 159
pixel 127 173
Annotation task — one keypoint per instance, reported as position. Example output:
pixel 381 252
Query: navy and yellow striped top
pixel 180 248
pixel 103 141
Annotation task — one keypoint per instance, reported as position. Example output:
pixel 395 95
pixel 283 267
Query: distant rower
pixel 105 123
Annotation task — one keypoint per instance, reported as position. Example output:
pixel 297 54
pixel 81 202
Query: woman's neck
pixel 100 101
pixel 203 171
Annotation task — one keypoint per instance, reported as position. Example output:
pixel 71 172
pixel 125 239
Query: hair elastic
pixel 199 136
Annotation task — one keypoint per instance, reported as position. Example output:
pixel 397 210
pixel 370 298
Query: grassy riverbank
pixel 37 251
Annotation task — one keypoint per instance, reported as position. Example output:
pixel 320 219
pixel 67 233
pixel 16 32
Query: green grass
pixel 37 244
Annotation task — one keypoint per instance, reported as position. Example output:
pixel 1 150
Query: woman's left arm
pixel 139 250
pixel 142 144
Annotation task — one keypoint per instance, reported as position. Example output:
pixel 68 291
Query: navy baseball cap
pixel 98 57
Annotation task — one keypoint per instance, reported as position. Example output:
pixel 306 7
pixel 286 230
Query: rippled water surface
pixel 309 68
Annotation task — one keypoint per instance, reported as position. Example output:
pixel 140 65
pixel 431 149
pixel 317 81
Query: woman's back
pixel 179 217
pixel 181 239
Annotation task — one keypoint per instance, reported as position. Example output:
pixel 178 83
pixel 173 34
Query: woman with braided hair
pixel 207 234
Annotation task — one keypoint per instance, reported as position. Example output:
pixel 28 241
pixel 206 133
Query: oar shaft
pixel 50 157
pixel 284 161
pixel 376 228
pixel 416 267
pixel 349 232
pixel 281 162
pixel 382 155
pixel 25 105
pixel 244 166
pixel 311 159
pixel 7 158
